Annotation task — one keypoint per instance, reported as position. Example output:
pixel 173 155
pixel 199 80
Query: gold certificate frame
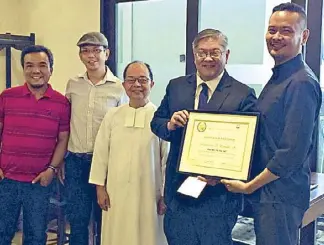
pixel 218 144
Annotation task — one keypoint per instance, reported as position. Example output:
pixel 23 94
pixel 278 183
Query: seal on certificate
pixel 201 127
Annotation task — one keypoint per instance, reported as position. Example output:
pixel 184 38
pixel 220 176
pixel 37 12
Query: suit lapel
pixel 222 91
pixel 189 92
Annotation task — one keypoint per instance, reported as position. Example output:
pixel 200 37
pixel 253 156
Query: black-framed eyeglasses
pixel 216 54
pixel 89 51
pixel 140 80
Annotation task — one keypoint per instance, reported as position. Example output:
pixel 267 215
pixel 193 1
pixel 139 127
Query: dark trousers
pixel 276 223
pixel 183 227
pixel 81 197
pixel 34 201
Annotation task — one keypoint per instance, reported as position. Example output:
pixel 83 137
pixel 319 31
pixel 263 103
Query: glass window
pixel 320 149
pixel 245 24
pixel 145 32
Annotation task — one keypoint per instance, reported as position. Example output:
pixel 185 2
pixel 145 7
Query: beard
pixel 37 86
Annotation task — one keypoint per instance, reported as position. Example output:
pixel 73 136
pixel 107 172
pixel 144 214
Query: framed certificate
pixel 218 144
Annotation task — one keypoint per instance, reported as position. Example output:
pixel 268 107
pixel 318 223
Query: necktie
pixel 203 96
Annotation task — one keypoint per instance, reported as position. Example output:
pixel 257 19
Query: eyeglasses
pixel 89 51
pixel 141 80
pixel 216 54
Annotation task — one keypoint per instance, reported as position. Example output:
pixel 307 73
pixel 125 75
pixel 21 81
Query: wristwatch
pixel 55 170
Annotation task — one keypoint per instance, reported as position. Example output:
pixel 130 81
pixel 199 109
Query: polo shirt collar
pixel 48 93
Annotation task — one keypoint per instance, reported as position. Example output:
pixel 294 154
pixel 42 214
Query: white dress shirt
pixel 212 85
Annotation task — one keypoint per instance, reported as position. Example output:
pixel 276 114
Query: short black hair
pixel 140 62
pixel 292 7
pixel 37 49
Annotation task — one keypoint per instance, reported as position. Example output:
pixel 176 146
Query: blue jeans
pixel 81 197
pixel 34 201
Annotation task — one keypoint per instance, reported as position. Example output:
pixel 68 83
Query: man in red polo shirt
pixel 34 121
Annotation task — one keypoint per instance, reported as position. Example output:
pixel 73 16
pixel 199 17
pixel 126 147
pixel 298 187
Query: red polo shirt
pixel 30 130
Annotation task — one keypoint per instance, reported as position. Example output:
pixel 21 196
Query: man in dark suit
pixel 210 218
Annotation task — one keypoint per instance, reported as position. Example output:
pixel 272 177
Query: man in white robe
pixel 128 167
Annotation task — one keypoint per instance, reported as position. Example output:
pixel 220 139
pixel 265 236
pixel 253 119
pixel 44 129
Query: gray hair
pixel 210 33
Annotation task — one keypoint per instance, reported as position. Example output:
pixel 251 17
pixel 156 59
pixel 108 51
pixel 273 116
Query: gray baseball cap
pixel 93 38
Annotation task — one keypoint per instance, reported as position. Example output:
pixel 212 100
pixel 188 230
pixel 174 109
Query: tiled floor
pixel 17 239
pixel 50 236
pixel 243 231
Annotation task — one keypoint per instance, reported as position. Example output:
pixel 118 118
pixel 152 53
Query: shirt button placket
pixel 90 118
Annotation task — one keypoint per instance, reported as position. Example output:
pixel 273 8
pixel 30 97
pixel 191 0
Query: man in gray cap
pixel 93 39
pixel 91 95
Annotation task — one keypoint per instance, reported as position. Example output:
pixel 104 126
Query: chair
pixel 56 212
pixel 18 42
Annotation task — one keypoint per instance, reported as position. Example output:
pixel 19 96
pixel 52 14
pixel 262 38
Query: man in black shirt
pixel 289 105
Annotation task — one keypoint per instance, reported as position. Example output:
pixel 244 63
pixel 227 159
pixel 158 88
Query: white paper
pixel 192 186
pixel 313 186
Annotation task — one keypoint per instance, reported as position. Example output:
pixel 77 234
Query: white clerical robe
pixel 130 161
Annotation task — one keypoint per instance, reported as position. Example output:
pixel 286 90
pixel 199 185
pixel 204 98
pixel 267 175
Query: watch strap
pixel 53 168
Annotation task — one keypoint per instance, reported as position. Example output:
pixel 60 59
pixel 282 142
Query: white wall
pixel 243 24
pixel 57 24
pixel 10 22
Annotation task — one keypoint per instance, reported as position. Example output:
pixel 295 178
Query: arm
pixel 301 105
pixel 161 118
pixel 262 179
pixel 248 104
pixel 164 152
pixel 63 136
pixel 60 149
pixel 46 177
pixel 1 114
pixel 165 125
pixel 1 127
pixel 100 161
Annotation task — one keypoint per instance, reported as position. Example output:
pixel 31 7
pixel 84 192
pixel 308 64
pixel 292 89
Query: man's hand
pixel 61 173
pixel 103 198
pixel 45 177
pixel 210 181
pixel 178 119
pixel 264 178
pixel 1 174
pixel 161 207
pixel 237 186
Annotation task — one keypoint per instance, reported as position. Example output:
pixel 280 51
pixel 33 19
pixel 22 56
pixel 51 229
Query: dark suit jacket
pixel 229 96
